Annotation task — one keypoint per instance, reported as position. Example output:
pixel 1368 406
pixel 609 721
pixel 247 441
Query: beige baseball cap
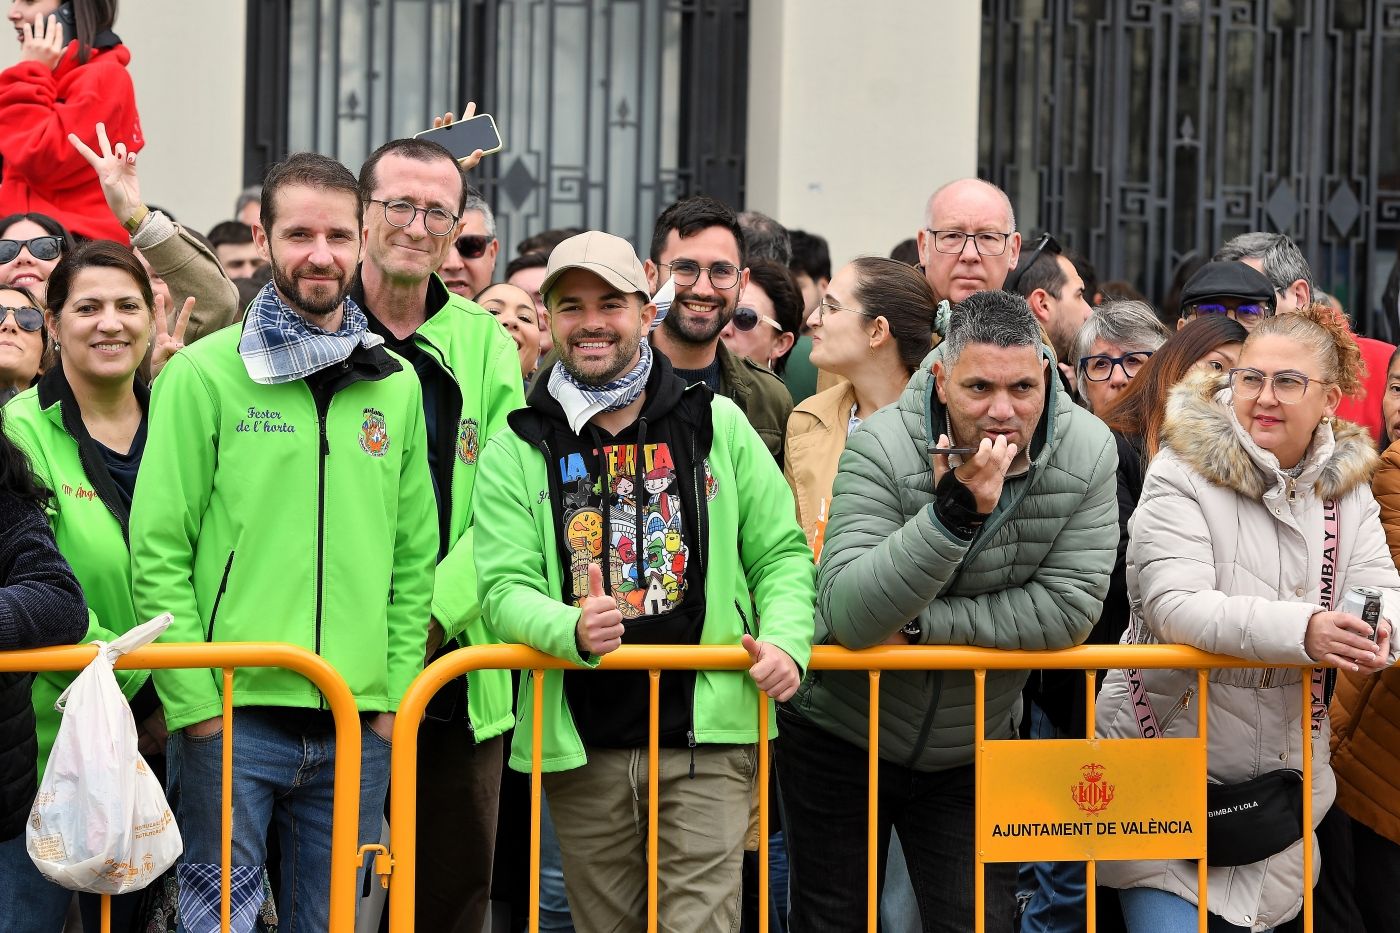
pixel 609 257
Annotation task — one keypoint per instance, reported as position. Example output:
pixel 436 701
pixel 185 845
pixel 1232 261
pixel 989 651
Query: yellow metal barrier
pixel 228 656
pixel 398 869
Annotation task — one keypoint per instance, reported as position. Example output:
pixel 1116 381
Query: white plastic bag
pixel 101 822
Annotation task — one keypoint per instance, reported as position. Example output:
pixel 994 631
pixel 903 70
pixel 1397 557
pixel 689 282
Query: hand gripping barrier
pixel 397 868
pixel 227 657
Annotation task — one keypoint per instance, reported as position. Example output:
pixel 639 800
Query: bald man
pixel 968 242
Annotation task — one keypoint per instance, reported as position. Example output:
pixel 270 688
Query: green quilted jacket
pixel 1034 578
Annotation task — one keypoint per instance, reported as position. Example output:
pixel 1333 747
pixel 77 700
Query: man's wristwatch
pixel 912 629
pixel 133 223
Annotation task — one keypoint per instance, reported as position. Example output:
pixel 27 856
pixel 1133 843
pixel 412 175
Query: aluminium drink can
pixel 1364 601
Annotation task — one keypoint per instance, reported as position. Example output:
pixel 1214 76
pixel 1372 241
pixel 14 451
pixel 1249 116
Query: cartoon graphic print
pixel 647 575
pixel 374 433
pixel 711 484
pixel 468 441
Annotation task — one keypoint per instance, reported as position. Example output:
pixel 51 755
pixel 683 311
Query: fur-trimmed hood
pixel 1201 428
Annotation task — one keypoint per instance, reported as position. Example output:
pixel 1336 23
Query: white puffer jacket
pixel 1226 556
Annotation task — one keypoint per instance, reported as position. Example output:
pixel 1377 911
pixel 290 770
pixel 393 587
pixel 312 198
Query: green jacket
pixel 255 519
pixel 759 566
pixel 89 523
pixel 472 347
pixel 760 395
pixel 1033 578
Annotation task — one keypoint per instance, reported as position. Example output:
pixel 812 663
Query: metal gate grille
pixel 609 109
pixel 1144 130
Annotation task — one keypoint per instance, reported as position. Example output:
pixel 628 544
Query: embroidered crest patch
pixel 374 433
pixel 468 441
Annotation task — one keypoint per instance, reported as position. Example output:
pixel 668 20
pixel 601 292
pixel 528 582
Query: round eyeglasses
pixel 401 214
pixel 686 272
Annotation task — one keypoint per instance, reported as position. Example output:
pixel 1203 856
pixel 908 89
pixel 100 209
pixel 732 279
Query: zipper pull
pixel 690 738
pixel 325 442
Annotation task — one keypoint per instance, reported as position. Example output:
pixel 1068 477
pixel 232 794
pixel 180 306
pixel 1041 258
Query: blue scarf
pixel 581 401
pixel 278 345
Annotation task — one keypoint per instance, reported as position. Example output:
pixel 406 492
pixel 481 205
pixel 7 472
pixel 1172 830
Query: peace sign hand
pixel 116 170
pixel 167 344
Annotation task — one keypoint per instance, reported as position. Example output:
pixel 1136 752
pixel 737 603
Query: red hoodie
pixel 38 109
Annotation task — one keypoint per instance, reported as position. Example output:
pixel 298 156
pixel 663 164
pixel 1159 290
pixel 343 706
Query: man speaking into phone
pixel 1007 546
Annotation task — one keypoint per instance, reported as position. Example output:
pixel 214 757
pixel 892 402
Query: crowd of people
pixel 344 420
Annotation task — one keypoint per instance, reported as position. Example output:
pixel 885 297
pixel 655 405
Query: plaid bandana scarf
pixel 278 345
pixel 581 402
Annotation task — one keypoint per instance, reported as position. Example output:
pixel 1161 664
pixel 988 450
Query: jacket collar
pixel 1201 428
pixel 56 399
pixel 832 407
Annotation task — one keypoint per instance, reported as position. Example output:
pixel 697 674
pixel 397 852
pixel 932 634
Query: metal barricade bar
pixel 226 657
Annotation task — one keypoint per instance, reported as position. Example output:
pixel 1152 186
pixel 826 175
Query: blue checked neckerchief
pixel 278 345
pixel 581 402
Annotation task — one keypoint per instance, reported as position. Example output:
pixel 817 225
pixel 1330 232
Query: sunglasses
pixel 1046 244
pixel 472 245
pixel 41 247
pixel 746 319
pixel 26 317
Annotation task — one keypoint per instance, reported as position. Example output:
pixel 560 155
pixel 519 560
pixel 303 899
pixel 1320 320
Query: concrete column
pixel 858 111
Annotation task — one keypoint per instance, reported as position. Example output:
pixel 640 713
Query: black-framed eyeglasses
pixel 43 248
pixel 987 243
pixel 1247 313
pixel 1099 367
pixel 746 319
pixel 686 272
pixel 472 245
pixel 826 305
pixel 401 214
pixel 27 318
pixel 1289 386
pixel 1046 244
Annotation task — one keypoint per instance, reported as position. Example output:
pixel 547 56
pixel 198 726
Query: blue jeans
pixel 30 903
pixel 1055 890
pixel 1149 910
pixel 899 908
pixel 554 901
pixel 283 774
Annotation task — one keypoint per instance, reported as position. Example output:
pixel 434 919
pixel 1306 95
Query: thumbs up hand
pixel 599 627
pixel 772 670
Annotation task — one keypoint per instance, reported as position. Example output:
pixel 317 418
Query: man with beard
pixel 413 192
pixel 698 243
pixel 1055 292
pixel 627 506
pixel 285 496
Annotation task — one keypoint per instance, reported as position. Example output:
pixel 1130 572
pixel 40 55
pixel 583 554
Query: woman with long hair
pixel 83 428
pixel 871 329
pixel 71 76
pixel 1255 516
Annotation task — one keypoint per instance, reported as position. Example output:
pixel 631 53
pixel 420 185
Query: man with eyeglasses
pixel 471 263
pixel 698 242
pixel 1229 288
pixel 1280 260
pixel 414 193
pixel 968 242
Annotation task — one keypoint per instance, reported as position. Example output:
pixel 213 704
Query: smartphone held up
pixel 465 137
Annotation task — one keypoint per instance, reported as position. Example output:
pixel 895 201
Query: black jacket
pixel 41 605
